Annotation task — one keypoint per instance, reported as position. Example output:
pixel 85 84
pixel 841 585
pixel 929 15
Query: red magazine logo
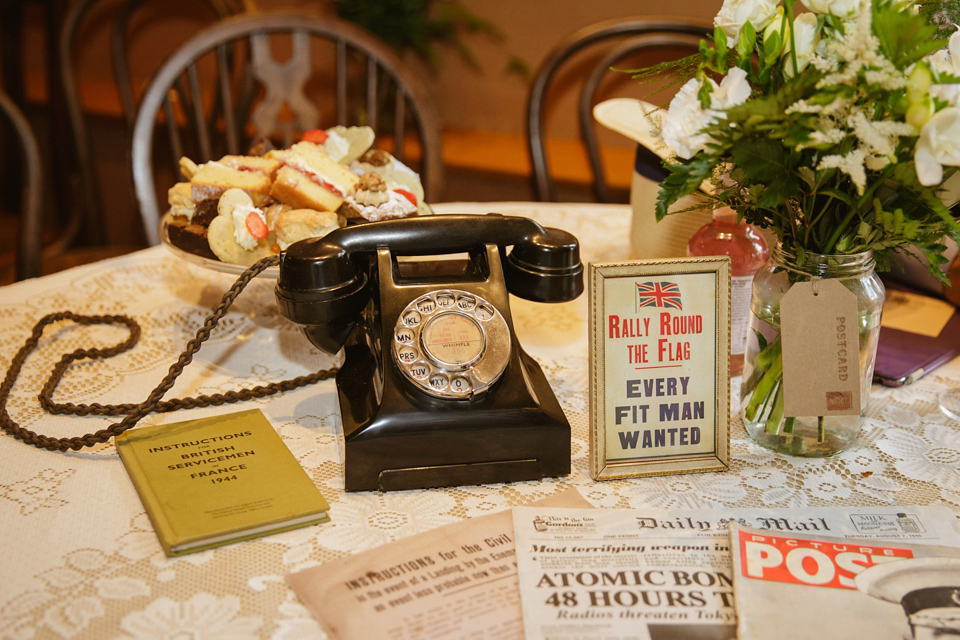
pixel 809 562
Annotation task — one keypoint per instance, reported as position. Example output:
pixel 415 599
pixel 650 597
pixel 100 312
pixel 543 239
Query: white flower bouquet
pixel 838 130
pixel 839 126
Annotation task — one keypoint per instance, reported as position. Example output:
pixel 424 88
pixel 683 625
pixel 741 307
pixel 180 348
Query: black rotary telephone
pixel 435 390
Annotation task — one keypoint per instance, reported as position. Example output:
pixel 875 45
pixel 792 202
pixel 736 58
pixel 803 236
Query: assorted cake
pixel 310 179
pixel 240 209
pixel 387 188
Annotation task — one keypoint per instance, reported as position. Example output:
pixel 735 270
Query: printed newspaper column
pixel 659 574
pixel 456 582
pixel 607 574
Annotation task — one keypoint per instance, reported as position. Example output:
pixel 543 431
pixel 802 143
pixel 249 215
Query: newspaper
pixel 456 581
pixel 796 586
pixel 642 574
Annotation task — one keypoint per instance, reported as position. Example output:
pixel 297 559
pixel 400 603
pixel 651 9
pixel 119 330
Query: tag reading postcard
pixel 819 330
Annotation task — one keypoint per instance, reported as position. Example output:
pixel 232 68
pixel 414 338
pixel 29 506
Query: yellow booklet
pixel 218 480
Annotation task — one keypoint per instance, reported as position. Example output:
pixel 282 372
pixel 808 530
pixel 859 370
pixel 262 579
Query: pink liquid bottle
pixel 724 236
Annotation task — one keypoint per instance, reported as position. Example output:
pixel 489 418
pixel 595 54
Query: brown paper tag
pixel 819 330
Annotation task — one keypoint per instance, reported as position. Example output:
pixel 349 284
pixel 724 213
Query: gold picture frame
pixel 659 366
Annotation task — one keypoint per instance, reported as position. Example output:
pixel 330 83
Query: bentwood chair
pixel 134 31
pixel 276 75
pixel 29 223
pixel 29 247
pixel 589 63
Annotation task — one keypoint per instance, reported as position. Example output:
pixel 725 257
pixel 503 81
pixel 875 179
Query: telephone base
pixel 403 440
pixel 454 456
pixel 459 474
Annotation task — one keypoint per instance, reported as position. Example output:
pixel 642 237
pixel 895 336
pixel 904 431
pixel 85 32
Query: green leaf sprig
pixel 824 155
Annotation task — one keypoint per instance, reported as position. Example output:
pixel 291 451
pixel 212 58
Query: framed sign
pixel 660 367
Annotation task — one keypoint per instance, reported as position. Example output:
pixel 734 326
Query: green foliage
pixel 418 25
pixel 904 38
pixel 823 155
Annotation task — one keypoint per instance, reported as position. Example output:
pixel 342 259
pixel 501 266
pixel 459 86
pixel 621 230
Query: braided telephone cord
pixel 153 403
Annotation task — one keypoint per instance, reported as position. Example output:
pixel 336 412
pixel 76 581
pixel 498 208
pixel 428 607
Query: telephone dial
pixel 434 389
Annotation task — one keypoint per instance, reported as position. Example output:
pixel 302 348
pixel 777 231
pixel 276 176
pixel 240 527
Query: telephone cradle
pixel 434 389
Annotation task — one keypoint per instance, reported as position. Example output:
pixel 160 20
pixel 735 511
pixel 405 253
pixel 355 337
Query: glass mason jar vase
pixel 760 406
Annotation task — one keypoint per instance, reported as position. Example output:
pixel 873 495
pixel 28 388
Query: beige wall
pixel 486 99
pixel 491 100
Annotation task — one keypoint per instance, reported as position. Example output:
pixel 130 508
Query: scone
pixel 293 225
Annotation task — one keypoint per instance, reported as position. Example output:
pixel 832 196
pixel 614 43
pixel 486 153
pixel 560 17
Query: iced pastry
pixel 394 172
pixel 374 199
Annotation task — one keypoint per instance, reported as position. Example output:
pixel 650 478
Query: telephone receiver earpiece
pixel 324 283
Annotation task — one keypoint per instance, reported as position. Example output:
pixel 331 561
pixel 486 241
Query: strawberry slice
pixel 256 226
pixel 317 136
pixel 408 195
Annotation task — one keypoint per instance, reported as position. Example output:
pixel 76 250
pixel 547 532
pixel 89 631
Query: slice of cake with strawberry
pixel 252 174
pixel 310 179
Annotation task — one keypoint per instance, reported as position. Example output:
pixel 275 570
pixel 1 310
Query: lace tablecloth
pixel 79 558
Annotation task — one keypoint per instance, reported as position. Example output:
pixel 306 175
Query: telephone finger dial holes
pixel 451 344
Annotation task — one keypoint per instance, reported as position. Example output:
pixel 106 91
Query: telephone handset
pixel 435 390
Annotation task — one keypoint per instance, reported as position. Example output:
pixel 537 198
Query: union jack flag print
pixel 658 294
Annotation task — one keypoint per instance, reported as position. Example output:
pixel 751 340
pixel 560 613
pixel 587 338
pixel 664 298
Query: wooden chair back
pixel 86 226
pixel 28 251
pixel 586 58
pixel 275 75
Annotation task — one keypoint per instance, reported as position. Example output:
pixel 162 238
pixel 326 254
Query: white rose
pixel 947 61
pixel 938 145
pixel 806 35
pixel 733 90
pixel 736 13
pixel 845 9
pixel 685 120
